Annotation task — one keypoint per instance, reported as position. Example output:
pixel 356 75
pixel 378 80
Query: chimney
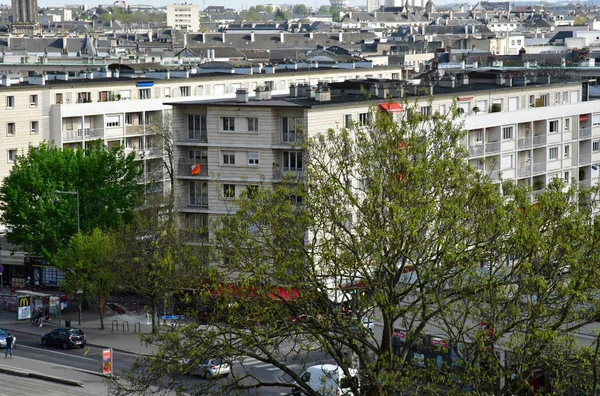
pixel 204 37
pixel 241 95
pixel 341 37
pixel 184 40
pixel 5 81
pixel 323 94
pixel 293 90
pixel 223 37
pixel 252 36
pixel 282 37
pixel 262 93
pixel 451 15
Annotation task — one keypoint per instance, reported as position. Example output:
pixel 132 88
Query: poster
pixel 24 308
pixel 107 361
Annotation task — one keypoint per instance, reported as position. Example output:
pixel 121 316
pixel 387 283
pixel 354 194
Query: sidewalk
pixel 121 332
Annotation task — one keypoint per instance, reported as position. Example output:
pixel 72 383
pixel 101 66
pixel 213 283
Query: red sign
pixel 107 361
pixel 400 334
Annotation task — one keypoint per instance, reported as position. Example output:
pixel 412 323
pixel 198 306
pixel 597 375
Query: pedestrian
pixel 9 346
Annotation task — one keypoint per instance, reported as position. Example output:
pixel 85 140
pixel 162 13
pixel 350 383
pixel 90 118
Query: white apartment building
pixel 549 133
pixel 184 17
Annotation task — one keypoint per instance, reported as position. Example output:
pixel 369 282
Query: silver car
pixel 3 335
pixel 213 368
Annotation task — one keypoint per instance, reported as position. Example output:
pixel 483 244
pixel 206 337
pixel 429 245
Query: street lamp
pixel 76 192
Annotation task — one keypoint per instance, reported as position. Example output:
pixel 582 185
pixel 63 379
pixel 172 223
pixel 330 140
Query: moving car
pixel 212 368
pixel 65 338
pixel 328 380
pixel 3 335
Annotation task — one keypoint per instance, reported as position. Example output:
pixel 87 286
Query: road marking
pixel 60 353
pixel 288 366
pixel 263 365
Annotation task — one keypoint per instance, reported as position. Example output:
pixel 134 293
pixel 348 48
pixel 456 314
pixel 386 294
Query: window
pixel 10 129
pixel 12 155
pixel 290 128
pixel 557 98
pixel 251 190
pixel 532 100
pixel 196 124
pixel 553 153
pixel 442 109
pixel 33 100
pixel 252 158
pixel 113 121
pixel 167 92
pixel 596 145
pixel 144 93
pixel 507 162
pixel 596 119
pixel 84 97
pixel 574 96
pixel 184 91
pixel 567 151
pixel 567 177
pixel 347 120
pixel 363 119
pixel 229 190
pixel 426 110
pixel 507 133
pixel 252 124
pixel 292 161
pixel 567 124
pixel 565 97
pixel 513 103
pixel 58 99
pixel 228 157
pixel 479 135
pixel 10 102
pixel 34 127
pixel 553 126
pixel 228 124
pixel 104 96
pixel 198 193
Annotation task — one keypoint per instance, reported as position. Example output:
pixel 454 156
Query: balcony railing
pixel 475 151
pixel 77 135
pixel 279 172
pixel 585 159
pixel 539 140
pixel 524 142
pixel 189 167
pixel 196 202
pixel 194 135
pixel 291 137
pixel 585 133
pixel 492 147
pixel 539 167
pixel 495 175
pixel 134 129
pixel 524 170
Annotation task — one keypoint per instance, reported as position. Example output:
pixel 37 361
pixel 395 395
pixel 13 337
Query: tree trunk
pixel 154 318
pixel 102 300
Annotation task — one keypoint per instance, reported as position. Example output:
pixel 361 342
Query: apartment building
pixel 529 130
pixel 184 17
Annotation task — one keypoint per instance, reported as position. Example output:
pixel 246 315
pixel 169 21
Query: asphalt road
pixel 90 357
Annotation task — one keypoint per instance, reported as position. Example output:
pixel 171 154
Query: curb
pixel 98 374
pixel 36 375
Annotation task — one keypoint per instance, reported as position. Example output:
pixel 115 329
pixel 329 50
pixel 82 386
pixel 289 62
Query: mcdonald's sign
pixel 24 302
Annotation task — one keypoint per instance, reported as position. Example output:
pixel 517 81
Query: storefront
pixel 40 274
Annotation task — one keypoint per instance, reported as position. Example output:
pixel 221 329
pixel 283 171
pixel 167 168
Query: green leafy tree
pixel 324 10
pixel 300 9
pixel 42 221
pixel 281 15
pixel 390 222
pixel 89 262
pixel 269 10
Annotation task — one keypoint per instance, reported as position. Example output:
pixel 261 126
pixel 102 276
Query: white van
pixel 328 380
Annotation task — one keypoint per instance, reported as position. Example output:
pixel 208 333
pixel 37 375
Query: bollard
pixel 125 322
pixel 136 326
pixel 112 325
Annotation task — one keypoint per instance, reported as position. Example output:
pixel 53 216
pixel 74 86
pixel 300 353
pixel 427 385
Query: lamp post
pixel 76 193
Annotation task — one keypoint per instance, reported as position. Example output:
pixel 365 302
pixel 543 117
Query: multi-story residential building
pixel 183 17
pixel 549 133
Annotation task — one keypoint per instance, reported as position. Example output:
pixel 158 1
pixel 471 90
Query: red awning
pixel 285 294
pixel 584 117
pixel 391 107
pixel 465 98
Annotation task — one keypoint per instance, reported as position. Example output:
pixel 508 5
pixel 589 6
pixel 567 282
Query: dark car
pixel 65 338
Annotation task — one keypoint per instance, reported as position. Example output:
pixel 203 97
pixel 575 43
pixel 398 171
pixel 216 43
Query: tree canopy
pixel 41 220
pixel 473 287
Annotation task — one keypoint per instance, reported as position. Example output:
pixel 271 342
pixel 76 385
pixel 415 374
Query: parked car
pixel 212 368
pixel 3 335
pixel 328 380
pixel 65 338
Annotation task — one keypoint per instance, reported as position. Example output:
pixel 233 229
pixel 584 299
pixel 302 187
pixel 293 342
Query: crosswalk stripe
pixel 288 366
pixel 263 365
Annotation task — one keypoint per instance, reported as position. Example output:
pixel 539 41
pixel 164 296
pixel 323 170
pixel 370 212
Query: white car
pixel 3 335
pixel 213 368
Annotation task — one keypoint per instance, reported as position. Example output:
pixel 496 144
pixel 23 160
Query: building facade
pixel 184 17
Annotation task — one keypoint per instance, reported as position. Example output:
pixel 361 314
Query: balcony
pixel 539 167
pixel 189 167
pixel 524 142
pixel 134 129
pixel 585 133
pixel 78 135
pixel 495 175
pixel 279 172
pixel 492 147
pixel 524 170
pixel 535 194
pixel 539 140
pixel 291 137
pixel 151 176
pixel 194 135
pixel 585 159
pixel 475 151
pixel 200 202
